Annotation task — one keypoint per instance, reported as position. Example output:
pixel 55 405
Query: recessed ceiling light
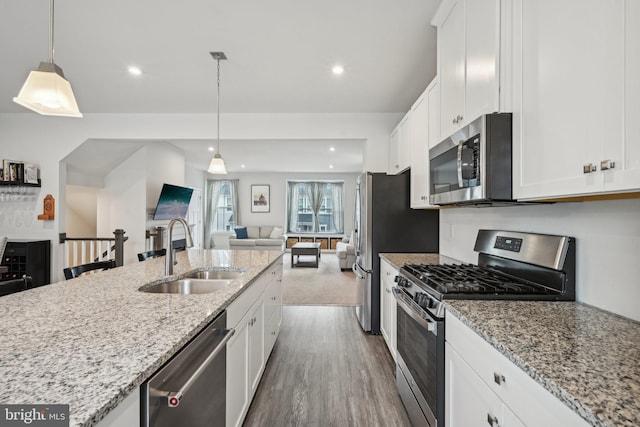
pixel 337 70
pixel 242 166
pixel 134 71
pixel 330 166
pixel 332 148
pixel 211 148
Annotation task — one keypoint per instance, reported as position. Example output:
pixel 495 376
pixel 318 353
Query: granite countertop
pixel 400 259
pixel 89 342
pixel 587 357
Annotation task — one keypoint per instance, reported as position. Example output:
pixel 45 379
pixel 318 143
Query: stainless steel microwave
pixel 473 166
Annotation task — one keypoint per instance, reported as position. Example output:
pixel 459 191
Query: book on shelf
pixel 30 173
pixel 19 172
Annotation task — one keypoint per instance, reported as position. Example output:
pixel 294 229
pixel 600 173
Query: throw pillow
pixel 276 233
pixel 241 233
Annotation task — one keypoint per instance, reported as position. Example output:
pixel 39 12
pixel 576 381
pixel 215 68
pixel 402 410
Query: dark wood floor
pixel 324 371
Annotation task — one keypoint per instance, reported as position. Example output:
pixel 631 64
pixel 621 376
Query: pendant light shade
pixel 46 91
pixel 217 164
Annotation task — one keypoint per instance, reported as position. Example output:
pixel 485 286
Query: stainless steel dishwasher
pixel 190 389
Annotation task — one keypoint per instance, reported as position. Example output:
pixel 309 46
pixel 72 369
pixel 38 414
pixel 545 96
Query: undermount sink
pixel 215 274
pixel 187 286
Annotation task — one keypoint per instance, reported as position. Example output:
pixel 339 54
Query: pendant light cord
pixel 51 7
pixel 218 105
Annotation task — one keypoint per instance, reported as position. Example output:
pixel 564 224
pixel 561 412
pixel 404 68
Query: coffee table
pixel 305 248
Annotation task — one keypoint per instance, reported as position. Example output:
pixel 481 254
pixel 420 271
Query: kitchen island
pixel 91 341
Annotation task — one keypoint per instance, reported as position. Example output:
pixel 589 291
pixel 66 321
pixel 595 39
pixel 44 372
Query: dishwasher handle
pixel 174 397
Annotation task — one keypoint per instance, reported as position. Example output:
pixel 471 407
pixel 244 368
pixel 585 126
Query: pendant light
pixel 46 91
pixel 217 164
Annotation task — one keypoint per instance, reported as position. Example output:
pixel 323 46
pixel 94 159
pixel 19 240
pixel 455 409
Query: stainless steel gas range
pixel 511 265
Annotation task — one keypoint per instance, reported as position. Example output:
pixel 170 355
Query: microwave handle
pixel 460 181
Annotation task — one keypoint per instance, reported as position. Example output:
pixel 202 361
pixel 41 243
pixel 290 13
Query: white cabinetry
pixel 421 134
pixel 256 316
pixel 468 60
pixel 272 310
pixel 238 375
pixel 470 401
pixel 433 96
pixel 256 345
pixel 483 386
pixel 576 97
pixel 400 146
pixel 388 305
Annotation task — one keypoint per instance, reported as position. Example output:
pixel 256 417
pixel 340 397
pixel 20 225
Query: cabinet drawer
pixel 530 401
pixel 238 308
pixel 470 402
pixel 388 272
pixel 273 298
pixel 271 331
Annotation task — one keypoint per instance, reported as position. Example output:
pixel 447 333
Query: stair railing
pixel 83 250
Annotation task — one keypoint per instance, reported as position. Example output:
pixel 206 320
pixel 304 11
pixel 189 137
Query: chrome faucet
pixel 169 260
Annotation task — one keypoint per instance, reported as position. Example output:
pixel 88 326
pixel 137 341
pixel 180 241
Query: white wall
pixel 81 211
pixel 607 243
pixel 122 203
pixel 164 164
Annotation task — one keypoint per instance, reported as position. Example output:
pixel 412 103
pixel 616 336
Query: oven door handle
pixel 403 302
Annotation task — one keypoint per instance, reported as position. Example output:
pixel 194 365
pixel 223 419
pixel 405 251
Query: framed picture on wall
pixel 260 198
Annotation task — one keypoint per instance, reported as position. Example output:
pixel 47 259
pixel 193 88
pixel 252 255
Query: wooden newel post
pixel 119 247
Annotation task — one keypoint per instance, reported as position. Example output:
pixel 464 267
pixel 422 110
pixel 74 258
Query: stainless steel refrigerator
pixel 384 222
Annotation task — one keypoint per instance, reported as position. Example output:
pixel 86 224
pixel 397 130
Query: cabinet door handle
pixel 499 378
pixel 607 164
pixel 589 167
pixel 455 120
pixel 492 420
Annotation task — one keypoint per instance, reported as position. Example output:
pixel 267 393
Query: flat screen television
pixel 173 202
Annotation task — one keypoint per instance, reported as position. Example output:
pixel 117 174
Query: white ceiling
pixel 280 56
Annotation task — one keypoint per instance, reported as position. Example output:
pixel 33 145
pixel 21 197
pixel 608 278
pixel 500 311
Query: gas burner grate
pixel 470 279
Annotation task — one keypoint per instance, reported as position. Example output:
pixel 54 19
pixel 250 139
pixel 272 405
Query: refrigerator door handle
pixel 355 269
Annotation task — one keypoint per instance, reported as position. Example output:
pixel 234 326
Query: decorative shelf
pixel 20 184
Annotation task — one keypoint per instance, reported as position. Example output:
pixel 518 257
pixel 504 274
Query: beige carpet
pixel 325 285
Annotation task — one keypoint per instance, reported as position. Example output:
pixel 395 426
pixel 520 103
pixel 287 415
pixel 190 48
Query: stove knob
pixel 402 282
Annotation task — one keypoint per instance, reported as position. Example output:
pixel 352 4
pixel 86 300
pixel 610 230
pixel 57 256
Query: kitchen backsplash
pixel 607 240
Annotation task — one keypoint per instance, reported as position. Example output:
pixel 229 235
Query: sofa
pixel 264 237
pixel 346 252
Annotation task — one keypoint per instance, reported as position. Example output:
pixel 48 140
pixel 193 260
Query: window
pixel 224 209
pixel 222 205
pixel 315 207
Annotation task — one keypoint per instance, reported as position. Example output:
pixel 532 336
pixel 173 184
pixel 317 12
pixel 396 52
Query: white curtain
pixel 316 191
pixel 214 188
pixel 337 196
pixel 234 202
pixel 293 194
pixel 214 192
